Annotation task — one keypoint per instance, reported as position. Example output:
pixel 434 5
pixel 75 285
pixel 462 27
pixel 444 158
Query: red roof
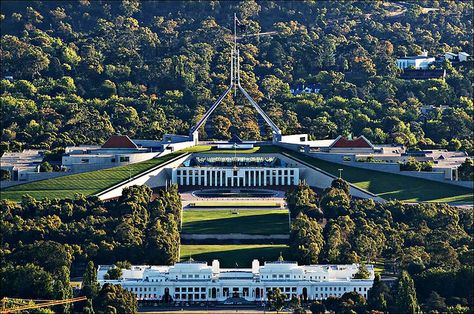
pixel 119 141
pixel 360 142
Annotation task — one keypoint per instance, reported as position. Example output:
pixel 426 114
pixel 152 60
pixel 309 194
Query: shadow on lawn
pixel 259 224
pixel 241 257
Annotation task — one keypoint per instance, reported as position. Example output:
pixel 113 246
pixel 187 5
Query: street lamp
pixel 340 172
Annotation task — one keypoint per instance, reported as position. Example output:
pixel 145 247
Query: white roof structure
pixel 27 160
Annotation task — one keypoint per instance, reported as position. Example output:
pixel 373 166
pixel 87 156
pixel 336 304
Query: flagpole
pixel 234 53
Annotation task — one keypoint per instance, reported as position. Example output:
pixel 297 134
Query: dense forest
pixel 431 245
pixel 76 72
pixel 44 243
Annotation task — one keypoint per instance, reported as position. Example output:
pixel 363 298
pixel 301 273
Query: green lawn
pixel 235 204
pixel 225 221
pixel 393 186
pixel 234 255
pixel 86 183
pixel 265 149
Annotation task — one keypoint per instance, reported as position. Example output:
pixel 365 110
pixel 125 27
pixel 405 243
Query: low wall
pixel 154 177
pixel 234 236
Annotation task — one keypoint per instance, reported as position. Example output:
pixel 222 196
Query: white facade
pixel 418 62
pixel 238 177
pixel 197 281
pixel 103 158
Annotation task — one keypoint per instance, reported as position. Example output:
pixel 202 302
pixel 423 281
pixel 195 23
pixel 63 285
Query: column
pixel 244 181
pixel 264 177
pixel 255 178
pixel 205 177
pixel 226 179
pixel 215 177
pixel 222 177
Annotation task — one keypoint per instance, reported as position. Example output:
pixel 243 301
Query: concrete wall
pixel 155 177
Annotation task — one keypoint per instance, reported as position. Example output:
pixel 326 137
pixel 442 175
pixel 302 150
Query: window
pixel 274 276
pixel 124 159
pixel 287 276
pixel 84 161
pixel 112 160
pixel 196 276
pixel 280 276
pixel 176 289
pixel 183 276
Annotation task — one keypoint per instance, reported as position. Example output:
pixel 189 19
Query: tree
pixel 108 89
pixel 302 199
pixel 5 175
pixel 411 165
pixel 342 185
pixel 46 167
pixel 115 299
pixel 114 273
pixel 90 288
pixel 334 203
pixel 362 273
pixel 435 303
pixel 378 296
pixel 405 300
pixel 306 240
pixel 466 170
pixel 317 307
pixel 276 299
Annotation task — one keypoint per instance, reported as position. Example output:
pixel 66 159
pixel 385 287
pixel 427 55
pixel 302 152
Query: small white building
pixel 197 281
pixel 422 61
pixel 22 164
pixel 118 150
pixel 456 57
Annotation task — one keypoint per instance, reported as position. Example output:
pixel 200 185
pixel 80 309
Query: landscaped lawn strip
pixel 226 221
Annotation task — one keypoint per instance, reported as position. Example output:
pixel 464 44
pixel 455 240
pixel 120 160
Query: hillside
pixel 85 70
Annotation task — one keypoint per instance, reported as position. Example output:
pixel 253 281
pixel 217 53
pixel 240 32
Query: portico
pixel 235 177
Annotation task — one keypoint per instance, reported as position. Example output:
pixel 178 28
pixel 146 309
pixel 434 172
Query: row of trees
pixel 431 242
pixel 83 72
pixel 46 242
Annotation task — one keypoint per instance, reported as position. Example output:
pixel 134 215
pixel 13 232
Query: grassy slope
pixel 247 221
pixel 392 186
pixel 234 255
pixel 86 183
